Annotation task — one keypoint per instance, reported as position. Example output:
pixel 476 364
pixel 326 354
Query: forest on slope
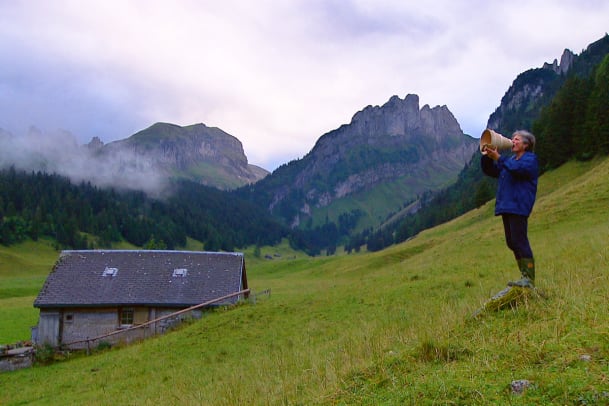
pixel 82 216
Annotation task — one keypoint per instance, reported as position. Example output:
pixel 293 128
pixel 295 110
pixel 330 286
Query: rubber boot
pixel 527 270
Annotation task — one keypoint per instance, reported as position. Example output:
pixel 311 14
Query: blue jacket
pixel 517 187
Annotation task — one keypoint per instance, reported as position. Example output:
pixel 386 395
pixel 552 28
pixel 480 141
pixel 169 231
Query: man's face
pixel 518 145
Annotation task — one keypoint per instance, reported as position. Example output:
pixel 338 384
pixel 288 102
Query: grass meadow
pixel 392 327
pixel 23 269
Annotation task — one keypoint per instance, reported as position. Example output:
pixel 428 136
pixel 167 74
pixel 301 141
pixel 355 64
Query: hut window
pixel 69 318
pixel 126 316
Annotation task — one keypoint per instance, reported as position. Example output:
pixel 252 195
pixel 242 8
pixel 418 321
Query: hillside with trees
pixel 82 216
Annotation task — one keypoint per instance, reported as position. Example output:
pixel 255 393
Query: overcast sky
pixel 276 74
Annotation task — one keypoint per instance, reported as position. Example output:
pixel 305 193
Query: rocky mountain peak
pixel 95 144
pixel 396 122
pixel 396 143
pixel 396 117
pixel 197 152
pixel 566 61
pixel 534 88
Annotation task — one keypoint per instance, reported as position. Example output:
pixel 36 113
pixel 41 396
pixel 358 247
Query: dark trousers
pixel 515 228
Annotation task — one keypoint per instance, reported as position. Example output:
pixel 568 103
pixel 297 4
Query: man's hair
pixel 528 139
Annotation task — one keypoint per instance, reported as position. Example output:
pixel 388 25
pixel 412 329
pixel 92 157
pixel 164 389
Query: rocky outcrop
pixel 95 144
pixel 523 100
pixel 535 88
pixel 566 61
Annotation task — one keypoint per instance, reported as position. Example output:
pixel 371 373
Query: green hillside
pixel 391 327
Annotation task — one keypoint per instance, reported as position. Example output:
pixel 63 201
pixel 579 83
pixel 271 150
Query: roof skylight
pixel 110 271
pixel 180 272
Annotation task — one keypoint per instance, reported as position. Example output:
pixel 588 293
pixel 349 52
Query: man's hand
pixel 491 152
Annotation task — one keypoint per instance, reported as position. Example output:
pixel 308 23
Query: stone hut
pixel 91 296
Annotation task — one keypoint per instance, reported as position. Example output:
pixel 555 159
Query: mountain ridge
pixel 420 149
pixel 148 160
pixel 196 152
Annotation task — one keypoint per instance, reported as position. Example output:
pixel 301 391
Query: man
pixel 516 193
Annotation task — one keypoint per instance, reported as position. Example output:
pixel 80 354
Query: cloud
pixel 277 75
pixel 60 152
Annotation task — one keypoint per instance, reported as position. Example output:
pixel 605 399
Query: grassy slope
pixel 379 201
pixel 391 327
pixel 23 269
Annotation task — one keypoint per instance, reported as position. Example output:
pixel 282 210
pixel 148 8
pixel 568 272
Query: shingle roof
pixel 167 278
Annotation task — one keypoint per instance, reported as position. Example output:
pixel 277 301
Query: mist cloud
pixel 59 152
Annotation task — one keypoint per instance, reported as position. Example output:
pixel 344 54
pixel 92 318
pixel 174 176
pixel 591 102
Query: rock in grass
pixel 520 385
pixel 508 297
pixel 511 296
